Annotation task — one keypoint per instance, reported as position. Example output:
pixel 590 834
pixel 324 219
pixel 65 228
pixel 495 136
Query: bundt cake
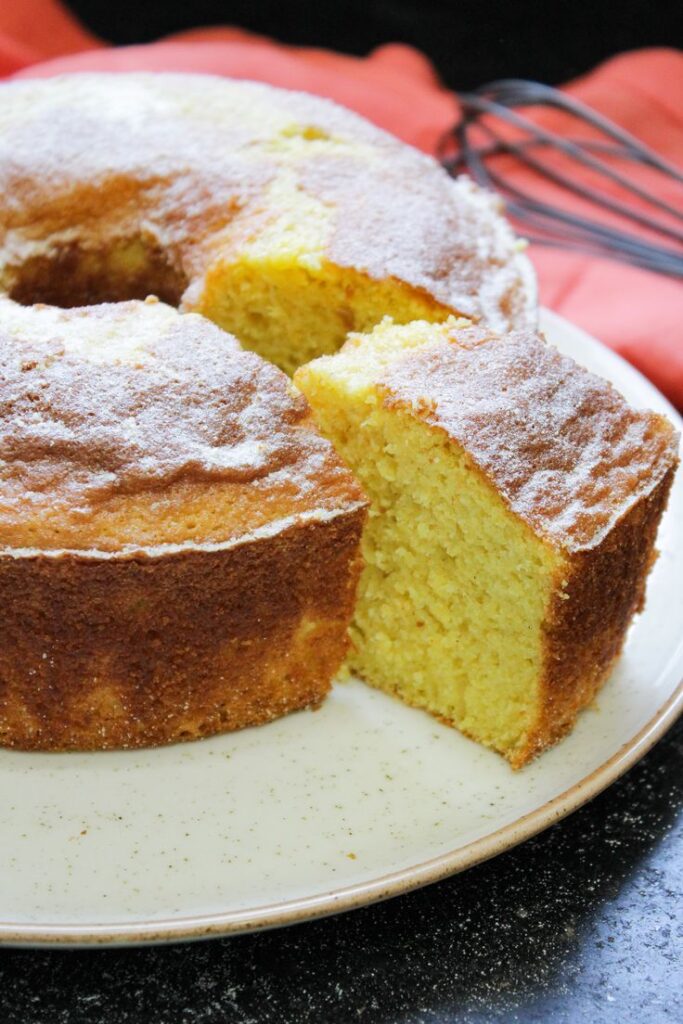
pixel 283 218
pixel 515 502
pixel 178 544
pixel 179 547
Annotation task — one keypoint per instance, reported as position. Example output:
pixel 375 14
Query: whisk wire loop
pixel 502 130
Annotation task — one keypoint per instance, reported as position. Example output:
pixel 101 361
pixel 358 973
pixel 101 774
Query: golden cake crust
pixel 600 591
pixel 136 651
pixel 197 168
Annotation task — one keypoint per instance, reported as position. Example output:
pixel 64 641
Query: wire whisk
pixel 491 125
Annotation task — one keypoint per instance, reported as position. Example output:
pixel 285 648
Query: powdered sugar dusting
pixel 566 451
pixel 412 222
pixel 190 162
pixel 79 423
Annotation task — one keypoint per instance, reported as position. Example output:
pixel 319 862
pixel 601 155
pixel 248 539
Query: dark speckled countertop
pixel 583 923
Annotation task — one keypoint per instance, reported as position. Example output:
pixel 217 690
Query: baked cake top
pixel 133 407
pixel 206 166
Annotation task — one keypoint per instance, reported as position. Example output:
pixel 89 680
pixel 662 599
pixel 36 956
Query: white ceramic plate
pixel 318 812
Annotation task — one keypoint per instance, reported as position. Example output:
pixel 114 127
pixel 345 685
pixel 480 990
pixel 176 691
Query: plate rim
pixel 395 883
pixel 309 908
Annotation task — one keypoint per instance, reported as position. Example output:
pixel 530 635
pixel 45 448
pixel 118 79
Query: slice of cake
pixel 515 503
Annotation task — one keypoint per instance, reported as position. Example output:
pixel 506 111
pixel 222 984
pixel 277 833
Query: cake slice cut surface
pixel 515 503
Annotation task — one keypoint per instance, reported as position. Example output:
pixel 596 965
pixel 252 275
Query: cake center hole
pixel 73 275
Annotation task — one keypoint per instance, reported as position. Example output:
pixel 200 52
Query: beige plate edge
pixel 353 897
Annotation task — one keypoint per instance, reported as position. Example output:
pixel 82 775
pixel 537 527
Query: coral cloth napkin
pixel 636 312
